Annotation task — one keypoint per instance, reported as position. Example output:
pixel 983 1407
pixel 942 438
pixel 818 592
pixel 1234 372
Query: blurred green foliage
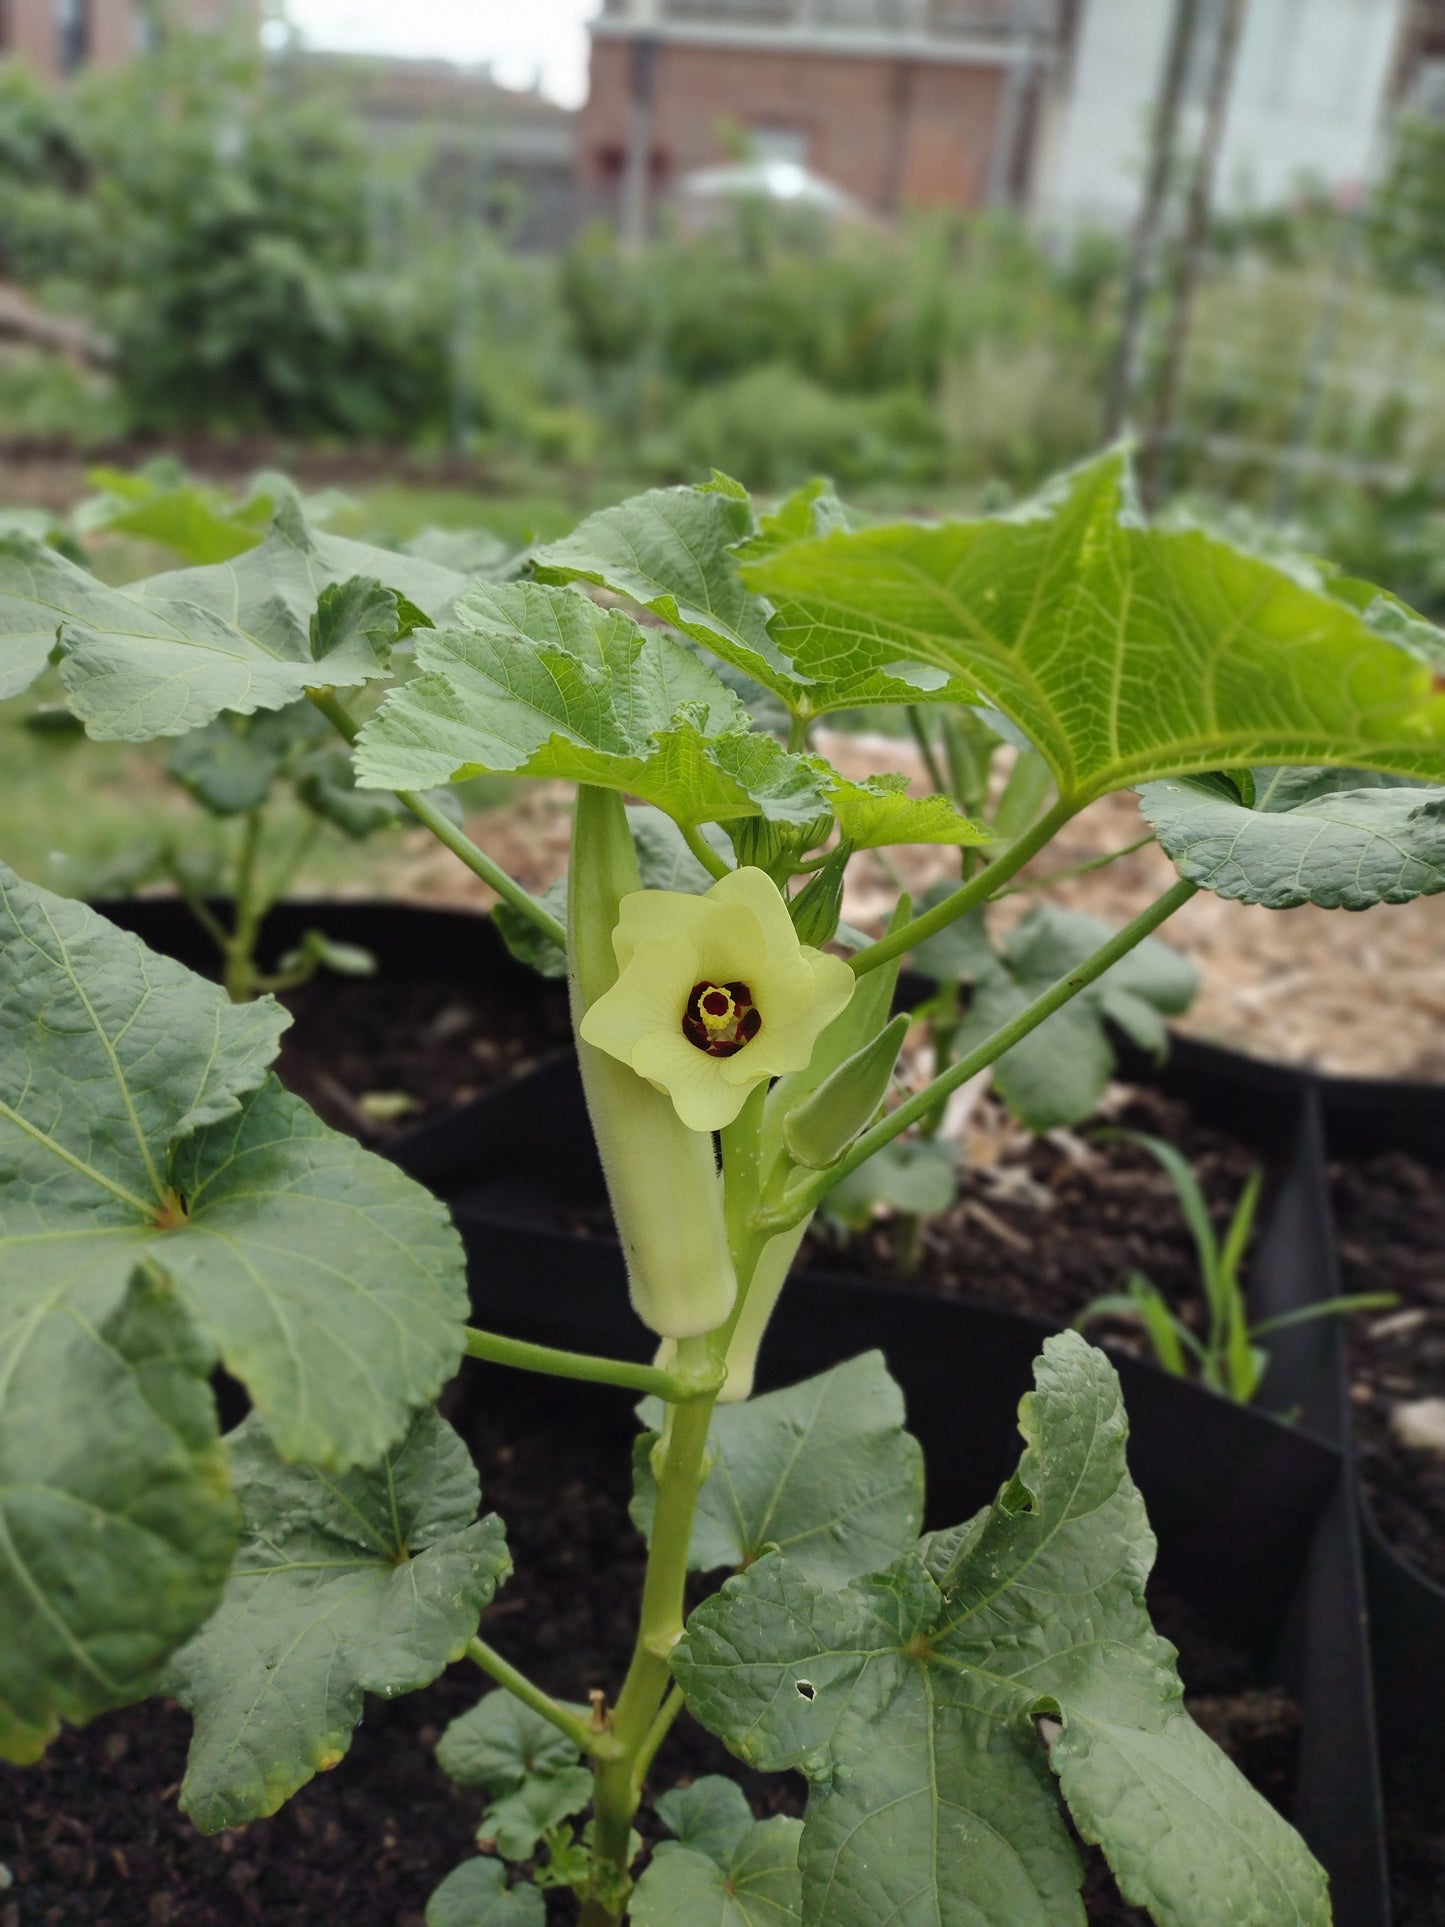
pixel 220 232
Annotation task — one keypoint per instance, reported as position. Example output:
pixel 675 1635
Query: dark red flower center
pixel 721 1018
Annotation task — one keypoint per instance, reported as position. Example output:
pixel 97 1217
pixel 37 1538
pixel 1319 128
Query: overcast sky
pixel 521 38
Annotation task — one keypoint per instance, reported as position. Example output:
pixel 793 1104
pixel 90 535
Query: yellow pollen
pixel 714 1020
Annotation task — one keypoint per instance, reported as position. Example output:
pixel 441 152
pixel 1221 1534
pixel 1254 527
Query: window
pixel 72 28
pixel 779 144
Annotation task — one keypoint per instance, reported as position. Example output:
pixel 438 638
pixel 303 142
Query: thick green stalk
pixel 680 1471
pixel 445 831
pixel 970 895
pixel 806 1198
pixel 553 1363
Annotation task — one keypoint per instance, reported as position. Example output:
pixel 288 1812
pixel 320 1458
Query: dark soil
pixel 1390 1212
pixel 1044 1225
pixel 93 1838
pixel 377 1057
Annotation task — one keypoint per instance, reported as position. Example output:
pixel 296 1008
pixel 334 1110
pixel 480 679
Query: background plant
pixel 1227 1355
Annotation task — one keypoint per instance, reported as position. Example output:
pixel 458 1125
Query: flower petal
pixel 649 995
pixel 705 1100
pixel 722 933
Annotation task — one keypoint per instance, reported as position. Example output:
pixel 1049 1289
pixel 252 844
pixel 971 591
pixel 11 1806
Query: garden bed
pixel 1044 1225
pixel 448 1017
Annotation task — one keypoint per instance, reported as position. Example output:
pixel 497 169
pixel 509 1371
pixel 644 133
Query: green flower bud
pixel 816 908
pixel 828 1119
pixel 662 1178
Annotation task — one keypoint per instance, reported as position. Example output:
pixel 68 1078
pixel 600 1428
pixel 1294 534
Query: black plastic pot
pixel 413 943
pixel 1363 1119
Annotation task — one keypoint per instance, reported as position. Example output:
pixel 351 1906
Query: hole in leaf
pixel 807 1690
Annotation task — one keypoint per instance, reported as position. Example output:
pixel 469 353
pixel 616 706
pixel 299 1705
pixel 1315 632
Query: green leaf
pixel 823 1470
pixel 542 682
pixel 674 551
pixel 1124 653
pixel 758 1886
pixel 878 812
pixel 1057 1074
pixel 469 552
pixel 325 782
pixel 1343 839
pixel 367 1583
pixel 499 1743
pixel 916 1175
pixel 710 1816
pixel 197 521
pixel 116 1518
pixel 515 1823
pixel 355 615
pixel 910 1700
pixel 168 654
pixel 230 764
pixel 476 1894
pixel 137 1120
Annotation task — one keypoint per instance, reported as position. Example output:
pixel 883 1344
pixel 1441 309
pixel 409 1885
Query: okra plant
pixel 954 1698
pixel 274 781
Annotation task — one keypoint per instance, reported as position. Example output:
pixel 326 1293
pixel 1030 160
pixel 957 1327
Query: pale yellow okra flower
pixel 715 994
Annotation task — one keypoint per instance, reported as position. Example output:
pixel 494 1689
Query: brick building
pixel 903 103
pixel 58 37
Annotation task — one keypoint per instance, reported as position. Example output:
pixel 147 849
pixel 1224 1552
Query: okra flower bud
pixel 826 1121
pixel 714 995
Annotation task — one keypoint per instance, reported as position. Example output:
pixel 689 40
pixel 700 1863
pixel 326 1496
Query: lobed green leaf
pixel 1124 653
pixel 116 1518
pixel 542 682
pixel 1343 839
pixel 675 551
pixel 910 1699
pixel 823 1470
pixel 368 1582
pixel 476 1894
pixel 138 1120
pixel 168 654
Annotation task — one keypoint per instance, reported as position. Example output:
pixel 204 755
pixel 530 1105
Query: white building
pixel 1310 87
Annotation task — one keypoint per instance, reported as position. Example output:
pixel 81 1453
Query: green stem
pixel 284 875
pixel 445 831
pixel 680 1472
pixel 1042 881
pixel 675 1387
pixel 656 1734
pixel 600 1745
pixel 806 1198
pixel 239 975
pixel 798 732
pixel 925 748
pixel 219 935
pixel 706 855
pixel 977 890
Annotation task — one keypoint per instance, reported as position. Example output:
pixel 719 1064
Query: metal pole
pixel 1193 248
pixel 636 180
pixel 1144 253
pixel 1022 62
